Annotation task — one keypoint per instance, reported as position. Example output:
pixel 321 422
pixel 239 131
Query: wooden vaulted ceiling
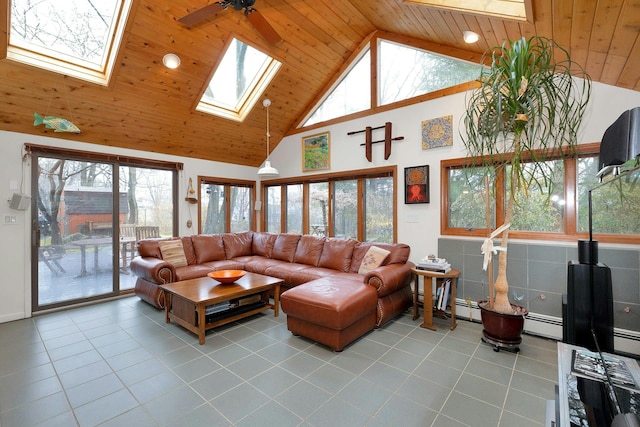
pixel 149 107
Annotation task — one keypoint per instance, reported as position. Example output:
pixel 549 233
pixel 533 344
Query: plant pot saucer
pixel 512 346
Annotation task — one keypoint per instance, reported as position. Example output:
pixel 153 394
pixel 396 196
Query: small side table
pixel 428 297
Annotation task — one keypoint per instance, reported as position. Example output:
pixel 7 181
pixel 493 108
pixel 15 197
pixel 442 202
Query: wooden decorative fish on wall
pixel 60 125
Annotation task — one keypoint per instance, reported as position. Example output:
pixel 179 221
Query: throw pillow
pixel 372 259
pixel 173 252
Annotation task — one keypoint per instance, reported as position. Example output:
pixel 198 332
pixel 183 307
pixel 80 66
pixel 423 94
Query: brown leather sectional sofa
pixel 327 267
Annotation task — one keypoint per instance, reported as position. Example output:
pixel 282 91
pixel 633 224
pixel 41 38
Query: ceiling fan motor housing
pixel 241 4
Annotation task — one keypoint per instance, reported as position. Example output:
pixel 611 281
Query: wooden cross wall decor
pixel 368 132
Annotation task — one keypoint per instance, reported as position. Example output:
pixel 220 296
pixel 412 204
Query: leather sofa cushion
pixel 285 246
pixel 308 274
pixel 398 254
pixel 309 250
pixel 331 304
pixel 224 264
pixel 336 254
pixel 262 244
pixel 283 269
pixel 259 264
pixel 208 247
pixel 237 244
pixel 191 272
pixel 149 248
pixel 189 252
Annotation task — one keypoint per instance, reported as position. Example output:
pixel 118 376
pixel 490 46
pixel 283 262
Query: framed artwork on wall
pixel 316 152
pixel 437 132
pixel 416 184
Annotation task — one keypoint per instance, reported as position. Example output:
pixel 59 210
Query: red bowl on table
pixel 227 276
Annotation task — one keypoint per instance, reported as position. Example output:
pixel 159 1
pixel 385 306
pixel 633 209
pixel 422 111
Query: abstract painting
pixel 437 132
pixel 416 184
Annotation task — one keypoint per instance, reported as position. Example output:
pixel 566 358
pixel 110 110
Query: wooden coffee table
pixel 186 301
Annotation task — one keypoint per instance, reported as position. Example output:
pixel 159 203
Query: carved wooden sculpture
pixel 368 131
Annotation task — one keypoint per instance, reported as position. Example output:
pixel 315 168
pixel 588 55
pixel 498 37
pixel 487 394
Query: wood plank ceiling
pixel 149 107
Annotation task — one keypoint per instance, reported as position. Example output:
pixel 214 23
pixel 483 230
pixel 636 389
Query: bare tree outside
pixel 55 176
pixel 430 72
pixel 78 28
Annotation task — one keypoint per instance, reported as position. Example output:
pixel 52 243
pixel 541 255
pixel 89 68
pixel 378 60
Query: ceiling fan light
pixel 470 36
pixel 268 171
pixel 171 60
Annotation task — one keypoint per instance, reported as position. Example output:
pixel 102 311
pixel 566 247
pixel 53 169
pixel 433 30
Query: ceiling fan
pixel 252 14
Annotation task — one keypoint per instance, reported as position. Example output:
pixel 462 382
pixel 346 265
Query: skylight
pixel 238 82
pixel 507 9
pixel 73 37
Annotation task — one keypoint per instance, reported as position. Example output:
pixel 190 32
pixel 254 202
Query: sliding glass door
pixel 88 216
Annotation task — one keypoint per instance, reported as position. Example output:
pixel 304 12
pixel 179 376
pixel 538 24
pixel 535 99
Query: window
pixel 238 82
pixel 345 202
pixel 273 208
pixel 76 38
pixel 356 204
pixel 226 205
pixel 558 211
pixel 351 95
pixel 379 207
pixel 293 208
pixel 407 72
pixel 427 73
pixel 467 199
pixel 89 211
pixel 615 202
pixel 318 208
pixel 542 209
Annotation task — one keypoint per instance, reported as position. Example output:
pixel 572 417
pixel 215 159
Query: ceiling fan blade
pixel 203 13
pixel 263 27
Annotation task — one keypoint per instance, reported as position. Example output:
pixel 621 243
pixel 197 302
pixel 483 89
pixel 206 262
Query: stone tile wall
pixel 537 275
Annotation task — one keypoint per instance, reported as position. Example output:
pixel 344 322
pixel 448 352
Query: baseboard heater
pixel 626 342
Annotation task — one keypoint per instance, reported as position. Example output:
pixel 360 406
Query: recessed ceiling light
pixel 470 36
pixel 171 60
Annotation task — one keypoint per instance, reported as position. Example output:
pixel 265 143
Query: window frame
pixel 371 43
pixel 570 232
pixel 360 175
pixel 115 162
pixel 227 183
pixel 254 90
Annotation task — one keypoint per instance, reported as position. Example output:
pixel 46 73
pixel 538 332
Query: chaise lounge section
pixel 334 290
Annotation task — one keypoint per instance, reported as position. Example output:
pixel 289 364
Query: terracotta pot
pixel 502 330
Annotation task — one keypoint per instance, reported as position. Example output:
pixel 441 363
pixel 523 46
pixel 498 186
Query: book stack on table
pixel 435 265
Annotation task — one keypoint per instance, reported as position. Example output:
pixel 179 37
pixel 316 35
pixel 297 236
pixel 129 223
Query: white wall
pixel 418 225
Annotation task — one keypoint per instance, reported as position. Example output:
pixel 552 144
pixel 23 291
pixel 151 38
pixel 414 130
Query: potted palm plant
pixel 527 109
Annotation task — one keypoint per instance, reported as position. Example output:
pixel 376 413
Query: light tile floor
pixel 119 364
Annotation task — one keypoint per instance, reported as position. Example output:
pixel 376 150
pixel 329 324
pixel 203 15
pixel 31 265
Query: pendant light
pixel 267 171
